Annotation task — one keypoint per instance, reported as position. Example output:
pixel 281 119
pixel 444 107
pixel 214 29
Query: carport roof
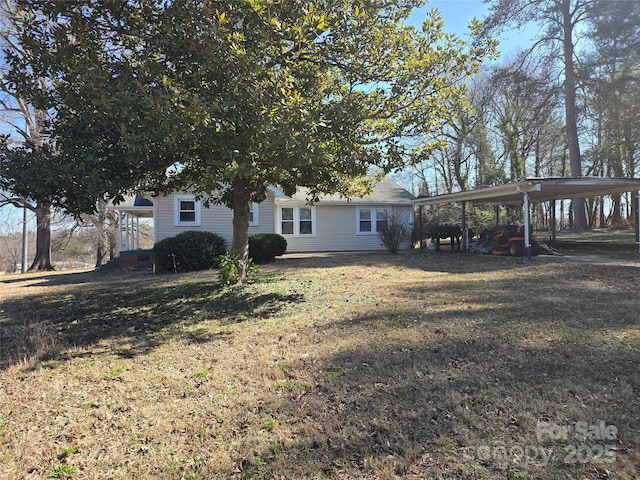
pixel 539 190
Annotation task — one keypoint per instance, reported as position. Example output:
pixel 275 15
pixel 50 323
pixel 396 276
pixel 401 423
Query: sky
pixel 455 13
pixel 458 13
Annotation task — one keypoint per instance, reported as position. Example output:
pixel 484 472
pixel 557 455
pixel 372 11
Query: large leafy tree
pixel 231 96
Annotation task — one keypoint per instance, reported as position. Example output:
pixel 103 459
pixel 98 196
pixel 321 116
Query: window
pixel 186 210
pixel 306 222
pixel 254 217
pixel 365 220
pixel 297 221
pixel 287 223
pixel 381 219
pixel 371 220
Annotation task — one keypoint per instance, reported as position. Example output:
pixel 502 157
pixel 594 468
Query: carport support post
pixel 420 227
pixel 464 227
pixel 120 218
pixel 527 225
pixel 638 221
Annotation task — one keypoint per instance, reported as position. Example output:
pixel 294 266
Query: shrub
pixel 229 273
pixel 264 247
pixel 396 232
pixel 162 252
pixel 193 251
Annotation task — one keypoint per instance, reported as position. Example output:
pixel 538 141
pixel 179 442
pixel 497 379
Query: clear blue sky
pixel 455 13
pixel 458 13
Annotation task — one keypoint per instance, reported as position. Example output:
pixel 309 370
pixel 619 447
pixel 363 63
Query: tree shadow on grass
pixel 463 395
pixel 443 262
pixel 133 314
pixel 455 409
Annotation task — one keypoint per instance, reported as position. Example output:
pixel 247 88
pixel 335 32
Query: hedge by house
pixel 191 251
pixel 264 247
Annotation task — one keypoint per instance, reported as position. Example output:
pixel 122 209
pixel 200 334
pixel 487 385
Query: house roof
pixel 385 191
pixel 539 190
pixel 136 205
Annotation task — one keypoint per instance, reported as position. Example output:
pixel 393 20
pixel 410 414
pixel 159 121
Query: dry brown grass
pixel 346 366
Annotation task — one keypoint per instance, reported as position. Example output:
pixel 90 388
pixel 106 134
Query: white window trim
pixel 176 211
pixel 256 214
pixel 296 221
pixel 373 208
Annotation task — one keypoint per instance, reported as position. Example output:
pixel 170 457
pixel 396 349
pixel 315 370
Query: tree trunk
pixel 101 234
pixel 42 260
pixel 240 246
pixel 616 213
pixel 575 162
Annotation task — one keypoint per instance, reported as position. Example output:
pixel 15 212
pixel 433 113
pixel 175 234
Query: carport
pixel 535 190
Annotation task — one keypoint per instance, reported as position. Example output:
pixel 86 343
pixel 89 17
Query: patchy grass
pixel 346 366
pixel 604 235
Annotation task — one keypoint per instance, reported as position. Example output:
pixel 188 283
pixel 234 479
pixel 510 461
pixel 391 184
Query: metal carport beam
pixel 540 190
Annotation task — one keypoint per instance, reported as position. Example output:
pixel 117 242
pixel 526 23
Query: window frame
pixel 254 209
pixel 373 220
pixel 177 222
pixel 297 220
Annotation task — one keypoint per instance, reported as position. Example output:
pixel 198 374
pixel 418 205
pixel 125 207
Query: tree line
pixel 566 106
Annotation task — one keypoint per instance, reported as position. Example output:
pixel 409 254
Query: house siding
pixel 335 225
pixel 336 231
pixel 217 219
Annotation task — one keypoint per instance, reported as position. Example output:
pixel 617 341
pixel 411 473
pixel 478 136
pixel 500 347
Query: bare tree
pixel 559 19
pixel 28 128
pixel 11 240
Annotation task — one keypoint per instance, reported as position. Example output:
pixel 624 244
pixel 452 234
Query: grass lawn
pixel 350 366
pixel 604 235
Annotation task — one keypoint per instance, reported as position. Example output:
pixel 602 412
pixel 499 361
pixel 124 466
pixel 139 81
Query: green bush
pixel 264 247
pixel 229 273
pixel 161 254
pixel 193 250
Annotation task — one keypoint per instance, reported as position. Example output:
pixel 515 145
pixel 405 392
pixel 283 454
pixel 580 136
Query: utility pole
pixel 25 231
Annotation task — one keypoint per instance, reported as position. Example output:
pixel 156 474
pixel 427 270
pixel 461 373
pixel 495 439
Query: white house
pixel 331 224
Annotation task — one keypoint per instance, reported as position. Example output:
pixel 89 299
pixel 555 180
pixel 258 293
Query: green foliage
pixel 264 247
pixel 229 264
pixel 200 374
pixel 229 273
pixel 242 95
pixel 269 425
pixel 67 451
pixel 116 372
pixel 61 471
pixel 163 255
pixel 191 251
